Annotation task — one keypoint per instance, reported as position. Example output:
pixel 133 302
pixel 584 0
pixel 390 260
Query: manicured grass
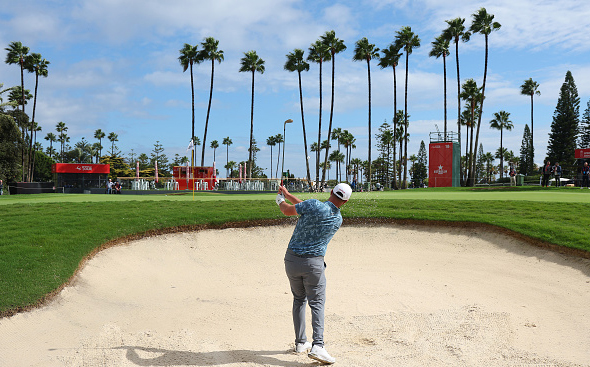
pixel 43 238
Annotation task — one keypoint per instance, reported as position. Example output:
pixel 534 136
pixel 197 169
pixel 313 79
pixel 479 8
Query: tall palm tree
pixel 365 51
pixel 456 32
pixel 337 135
pixel 214 145
pixel 408 41
pixel 227 142
pixel 271 142
pixel 337 157
pixel 16 55
pixel 113 138
pixel 440 48
pixel 348 141
pixel 51 138
pixel 319 53
pixel 389 58
pixel 472 95
pixel 61 128
pixel 279 140
pixel 188 57
pixel 500 122
pixel 335 46
pixel 99 134
pixel 251 62
pixel 530 88
pixel 34 63
pixel 210 51
pixel 482 23
pixel 295 62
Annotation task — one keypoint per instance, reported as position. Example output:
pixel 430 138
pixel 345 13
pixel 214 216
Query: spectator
pixel 546 174
pixel 557 174
pixel 110 187
pixel 512 176
pixel 117 187
pixel 585 175
pixel 1 187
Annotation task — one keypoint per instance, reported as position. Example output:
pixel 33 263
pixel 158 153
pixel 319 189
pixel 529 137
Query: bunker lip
pixel 355 221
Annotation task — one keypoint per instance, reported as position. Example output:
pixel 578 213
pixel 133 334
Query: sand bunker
pixel 397 296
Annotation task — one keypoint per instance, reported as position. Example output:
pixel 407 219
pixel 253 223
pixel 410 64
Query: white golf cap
pixel 343 191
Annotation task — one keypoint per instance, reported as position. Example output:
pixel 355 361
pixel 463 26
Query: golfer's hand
pixel 279 199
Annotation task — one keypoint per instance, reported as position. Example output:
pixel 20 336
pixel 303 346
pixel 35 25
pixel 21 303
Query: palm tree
pixel 211 52
pixel 337 135
pixel 318 53
pixel 500 122
pixel 251 62
pixel 61 128
pixel 440 47
pixel 295 62
pixel 271 142
pixel 472 95
pixel 337 157
pixel 214 145
pixel 189 56
pixel 530 88
pixel 230 165
pixel 279 140
pixel 227 142
pixel 335 46
pixel 16 55
pixel 456 31
pixel 348 141
pixel 407 40
pixel 482 23
pixel 34 63
pixel 99 134
pixel 389 58
pixel 365 51
pixel 113 138
pixel 51 138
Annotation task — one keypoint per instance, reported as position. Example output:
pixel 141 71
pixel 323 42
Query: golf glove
pixel 280 198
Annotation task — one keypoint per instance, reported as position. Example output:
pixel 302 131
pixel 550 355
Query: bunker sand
pixel 397 296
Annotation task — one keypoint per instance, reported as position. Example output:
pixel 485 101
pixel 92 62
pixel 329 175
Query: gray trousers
pixel 308 284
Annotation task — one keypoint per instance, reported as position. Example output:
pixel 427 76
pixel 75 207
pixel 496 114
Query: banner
pixel 80 168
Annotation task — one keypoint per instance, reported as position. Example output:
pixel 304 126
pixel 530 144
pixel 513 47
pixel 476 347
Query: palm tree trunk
pixel 317 154
pixel 271 161
pixel 208 110
pixel 445 94
pixel 532 135
pixel 458 92
pixel 250 163
pixel 483 91
pixel 394 127
pixel 369 78
pixel 304 134
pixel 330 124
pixel 32 128
pixel 404 183
pixel 193 117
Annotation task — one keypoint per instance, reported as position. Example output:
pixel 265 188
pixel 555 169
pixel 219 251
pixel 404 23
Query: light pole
pixel 284 140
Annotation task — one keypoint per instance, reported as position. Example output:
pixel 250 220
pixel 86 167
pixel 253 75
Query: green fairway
pixel 43 238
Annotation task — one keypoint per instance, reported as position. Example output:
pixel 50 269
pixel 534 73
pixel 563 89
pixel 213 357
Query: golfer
pixel 304 262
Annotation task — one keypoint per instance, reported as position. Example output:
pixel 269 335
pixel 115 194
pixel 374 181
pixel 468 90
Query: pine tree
pixel 526 153
pixel 420 168
pixel 564 128
pixel 584 141
pixel 480 164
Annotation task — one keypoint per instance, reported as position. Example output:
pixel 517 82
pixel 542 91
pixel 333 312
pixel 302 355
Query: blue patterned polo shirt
pixel 317 225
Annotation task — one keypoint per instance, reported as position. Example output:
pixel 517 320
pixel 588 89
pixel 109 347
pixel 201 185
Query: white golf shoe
pixel 302 347
pixel 321 354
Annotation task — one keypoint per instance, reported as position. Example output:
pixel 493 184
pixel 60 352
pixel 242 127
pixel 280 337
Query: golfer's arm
pixel 288 209
pixel 292 198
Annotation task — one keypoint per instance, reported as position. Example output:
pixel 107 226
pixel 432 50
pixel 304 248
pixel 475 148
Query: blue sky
pixel 114 66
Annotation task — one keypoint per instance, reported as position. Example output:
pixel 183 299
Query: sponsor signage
pixel 583 153
pixel 80 168
pixel 441 165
